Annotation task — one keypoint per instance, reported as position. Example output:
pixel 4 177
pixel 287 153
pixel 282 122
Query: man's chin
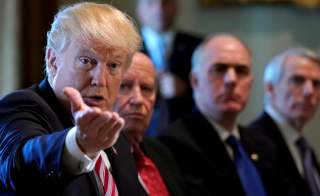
pixel 233 111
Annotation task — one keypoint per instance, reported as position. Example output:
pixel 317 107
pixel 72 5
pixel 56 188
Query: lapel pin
pixel 254 157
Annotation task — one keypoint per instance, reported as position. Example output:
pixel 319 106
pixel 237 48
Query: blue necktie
pixel 248 174
pixel 310 171
pixel 161 55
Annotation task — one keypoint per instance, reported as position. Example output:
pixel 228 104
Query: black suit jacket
pixel 33 127
pixel 166 164
pixel 206 167
pixel 288 179
pixel 179 63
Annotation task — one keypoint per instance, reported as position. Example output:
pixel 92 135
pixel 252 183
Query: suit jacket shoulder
pixel 166 164
pixel 202 157
pixel 123 168
pixel 31 147
pixel 286 178
pixel 33 127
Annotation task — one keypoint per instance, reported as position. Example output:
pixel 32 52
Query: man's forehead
pixel 95 47
pixel 228 58
pixel 141 72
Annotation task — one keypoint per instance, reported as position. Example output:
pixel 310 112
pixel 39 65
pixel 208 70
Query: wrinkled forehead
pixel 106 48
pixel 141 71
pixel 301 65
pixel 99 49
pixel 228 54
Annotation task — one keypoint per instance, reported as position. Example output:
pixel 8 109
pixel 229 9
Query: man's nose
pixel 98 75
pixel 308 87
pixel 136 97
pixel 230 76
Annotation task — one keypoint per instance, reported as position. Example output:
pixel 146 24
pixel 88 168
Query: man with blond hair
pixel 60 137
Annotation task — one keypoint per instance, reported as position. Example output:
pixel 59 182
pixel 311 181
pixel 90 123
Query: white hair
pixel 274 70
pixel 93 22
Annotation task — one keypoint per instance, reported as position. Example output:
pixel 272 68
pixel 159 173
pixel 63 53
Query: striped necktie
pixel 109 185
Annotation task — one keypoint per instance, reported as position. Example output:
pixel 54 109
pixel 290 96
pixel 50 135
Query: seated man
pixel 60 137
pixel 292 97
pixel 156 166
pixel 212 150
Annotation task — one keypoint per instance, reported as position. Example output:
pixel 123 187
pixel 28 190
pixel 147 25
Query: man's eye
pixel 86 63
pixel 84 60
pixel 298 80
pixel 147 90
pixel 114 67
pixel 316 84
pixel 220 68
pixel 124 88
pixel 242 70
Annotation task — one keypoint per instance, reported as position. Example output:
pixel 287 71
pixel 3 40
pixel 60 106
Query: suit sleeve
pixel 30 147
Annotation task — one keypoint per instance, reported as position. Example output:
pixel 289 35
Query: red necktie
pixel 109 186
pixel 150 175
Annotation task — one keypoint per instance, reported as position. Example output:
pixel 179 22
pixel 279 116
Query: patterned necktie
pixel 310 171
pixel 109 185
pixel 248 174
pixel 150 175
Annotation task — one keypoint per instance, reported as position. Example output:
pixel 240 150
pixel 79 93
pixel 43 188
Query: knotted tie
pixel 150 175
pixel 248 174
pixel 310 171
pixel 109 185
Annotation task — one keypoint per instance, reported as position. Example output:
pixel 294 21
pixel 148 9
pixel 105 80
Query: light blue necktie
pixel 161 57
pixel 310 171
pixel 247 172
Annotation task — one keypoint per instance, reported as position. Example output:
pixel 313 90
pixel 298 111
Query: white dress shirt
pixel 224 135
pixel 75 161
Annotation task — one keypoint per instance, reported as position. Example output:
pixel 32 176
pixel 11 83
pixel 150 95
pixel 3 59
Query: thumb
pixel 75 99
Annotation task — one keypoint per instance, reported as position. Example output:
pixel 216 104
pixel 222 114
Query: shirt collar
pixel 152 37
pixel 222 132
pixel 289 133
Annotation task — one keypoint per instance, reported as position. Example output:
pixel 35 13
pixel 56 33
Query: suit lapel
pixel 213 149
pixel 123 167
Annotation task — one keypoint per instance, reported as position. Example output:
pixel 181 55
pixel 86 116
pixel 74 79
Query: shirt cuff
pixel 74 160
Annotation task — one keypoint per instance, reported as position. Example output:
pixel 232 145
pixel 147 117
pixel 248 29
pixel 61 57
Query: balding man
pixel 211 149
pixel 135 104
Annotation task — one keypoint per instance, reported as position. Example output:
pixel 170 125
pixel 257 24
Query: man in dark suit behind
pixel 221 79
pixel 292 95
pixel 52 134
pixel 170 50
pixel 135 104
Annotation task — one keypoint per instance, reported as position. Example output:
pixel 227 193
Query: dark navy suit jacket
pixel 179 63
pixel 166 164
pixel 287 179
pixel 205 164
pixel 33 127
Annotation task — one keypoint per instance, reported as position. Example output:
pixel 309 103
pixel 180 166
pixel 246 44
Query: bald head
pixel 141 60
pixel 222 43
pixel 221 78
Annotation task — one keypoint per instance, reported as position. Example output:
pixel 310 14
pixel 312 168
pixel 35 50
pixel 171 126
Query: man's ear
pixel 269 89
pixel 52 62
pixel 193 80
